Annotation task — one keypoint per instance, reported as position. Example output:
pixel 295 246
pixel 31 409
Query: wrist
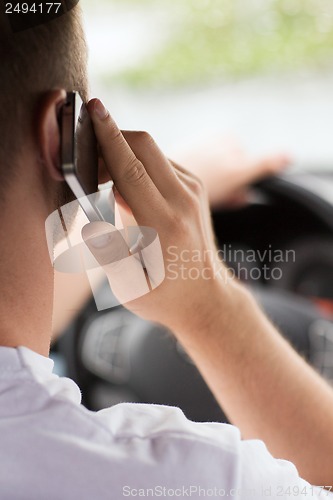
pixel 214 311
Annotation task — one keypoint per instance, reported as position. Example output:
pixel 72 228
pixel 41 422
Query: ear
pixel 49 132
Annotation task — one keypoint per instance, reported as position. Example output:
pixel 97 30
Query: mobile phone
pixel 79 154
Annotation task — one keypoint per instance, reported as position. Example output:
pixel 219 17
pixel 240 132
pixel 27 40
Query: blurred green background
pixel 209 39
pixel 188 70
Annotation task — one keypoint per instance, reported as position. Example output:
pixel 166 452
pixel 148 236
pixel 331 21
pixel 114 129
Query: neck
pixel 26 275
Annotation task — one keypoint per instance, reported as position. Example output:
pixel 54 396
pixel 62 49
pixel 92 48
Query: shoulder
pixel 148 420
pixel 211 455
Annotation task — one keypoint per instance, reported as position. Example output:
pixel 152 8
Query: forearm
pixel 265 388
pixel 263 385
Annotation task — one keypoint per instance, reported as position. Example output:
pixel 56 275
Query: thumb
pixel 105 242
pixel 123 270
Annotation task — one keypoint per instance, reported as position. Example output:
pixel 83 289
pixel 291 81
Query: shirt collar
pixel 14 359
pixel 21 363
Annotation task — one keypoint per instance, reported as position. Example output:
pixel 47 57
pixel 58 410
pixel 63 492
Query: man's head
pixel 34 63
pixel 37 67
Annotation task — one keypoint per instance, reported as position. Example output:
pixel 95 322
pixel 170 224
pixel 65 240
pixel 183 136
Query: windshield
pixel 192 69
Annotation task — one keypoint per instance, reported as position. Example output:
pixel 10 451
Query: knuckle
pixel 197 186
pixel 134 173
pixel 145 138
pixel 114 134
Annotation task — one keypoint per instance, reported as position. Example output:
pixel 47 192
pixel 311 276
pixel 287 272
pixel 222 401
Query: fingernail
pixel 99 241
pixel 100 110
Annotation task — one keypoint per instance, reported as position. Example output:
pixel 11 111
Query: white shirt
pixel 51 447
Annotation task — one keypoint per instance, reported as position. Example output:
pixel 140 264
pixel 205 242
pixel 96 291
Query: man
pixel 51 446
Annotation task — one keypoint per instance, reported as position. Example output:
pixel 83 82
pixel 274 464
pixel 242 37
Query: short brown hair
pixel 51 55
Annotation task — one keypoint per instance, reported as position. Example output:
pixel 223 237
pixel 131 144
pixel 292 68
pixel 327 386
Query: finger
pixel 156 163
pixel 179 168
pixel 105 242
pixel 194 185
pixel 266 165
pixel 190 180
pixel 124 271
pixel 127 172
pixel 189 183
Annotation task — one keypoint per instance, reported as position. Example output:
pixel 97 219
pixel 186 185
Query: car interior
pixel 117 357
